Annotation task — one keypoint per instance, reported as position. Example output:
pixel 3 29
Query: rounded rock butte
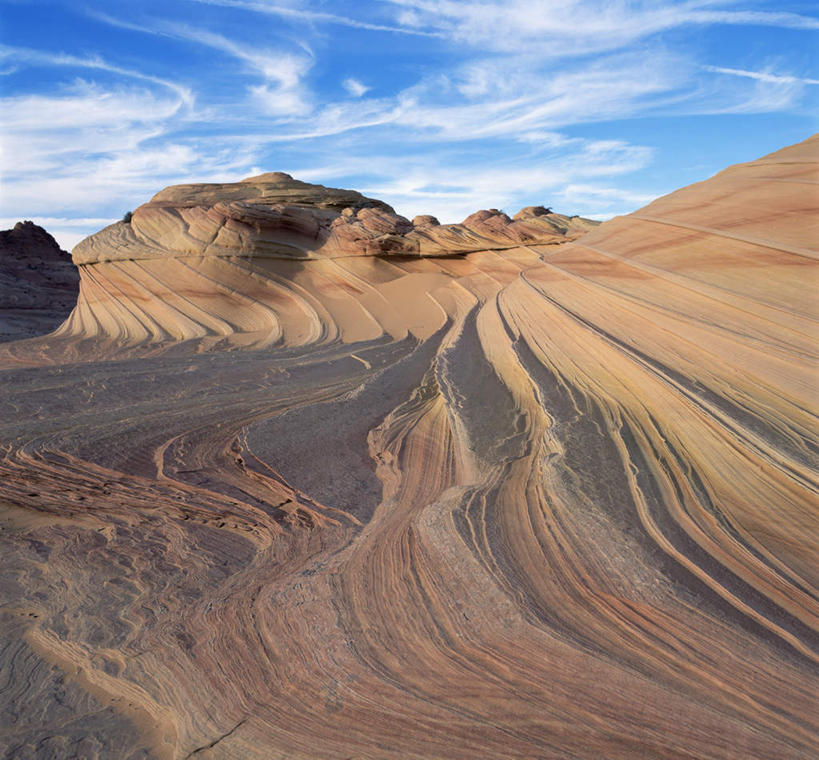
pixel 217 262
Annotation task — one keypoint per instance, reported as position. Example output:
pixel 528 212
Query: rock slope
pixel 527 501
pixel 38 282
pixel 216 264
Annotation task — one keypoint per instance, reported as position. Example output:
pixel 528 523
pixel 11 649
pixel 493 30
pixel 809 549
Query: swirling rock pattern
pixel 522 500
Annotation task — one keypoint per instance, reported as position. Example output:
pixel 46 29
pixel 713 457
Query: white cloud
pixel 574 27
pixel 109 147
pixel 22 56
pixel 101 149
pixel 603 217
pixel 83 106
pixel 354 87
pixel 117 180
pixel 316 17
pixel 68 238
pixel 276 100
pixel 283 92
pixel 761 92
pixel 438 182
pixel 47 137
pixel 762 76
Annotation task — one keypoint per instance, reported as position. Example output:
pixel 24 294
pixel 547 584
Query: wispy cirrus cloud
pixel 85 145
pixel 778 19
pixel 423 180
pixel 766 91
pixel 519 106
pixel 763 76
pixel 282 91
pixel 21 56
pixel 300 13
pixel 574 27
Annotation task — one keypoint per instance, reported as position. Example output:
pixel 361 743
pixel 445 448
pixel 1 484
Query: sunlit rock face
pixel 226 264
pixel 538 499
pixel 276 216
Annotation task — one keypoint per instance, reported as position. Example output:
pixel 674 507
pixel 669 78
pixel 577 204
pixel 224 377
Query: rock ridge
pixel 276 216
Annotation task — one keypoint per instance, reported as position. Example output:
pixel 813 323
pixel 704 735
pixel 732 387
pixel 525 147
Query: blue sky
pixel 589 106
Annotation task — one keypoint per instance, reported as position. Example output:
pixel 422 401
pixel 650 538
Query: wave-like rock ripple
pixel 477 491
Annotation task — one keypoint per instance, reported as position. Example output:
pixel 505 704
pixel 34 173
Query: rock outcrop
pixel 529 501
pixel 38 282
pixel 276 216
pixel 214 262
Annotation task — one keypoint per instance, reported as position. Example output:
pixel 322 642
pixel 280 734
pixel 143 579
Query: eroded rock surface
pixel 529 501
pixel 215 263
pixel 276 216
pixel 38 282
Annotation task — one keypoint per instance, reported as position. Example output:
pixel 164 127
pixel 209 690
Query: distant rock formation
pixel 276 216
pixel 216 262
pixel 38 282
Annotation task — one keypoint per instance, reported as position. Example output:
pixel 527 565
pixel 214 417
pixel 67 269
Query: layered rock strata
pixel 216 263
pixel 529 501
pixel 276 216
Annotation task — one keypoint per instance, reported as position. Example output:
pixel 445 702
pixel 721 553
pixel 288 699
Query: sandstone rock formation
pixel 38 282
pixel 528 501
pixel 276 216
pixel 216 263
